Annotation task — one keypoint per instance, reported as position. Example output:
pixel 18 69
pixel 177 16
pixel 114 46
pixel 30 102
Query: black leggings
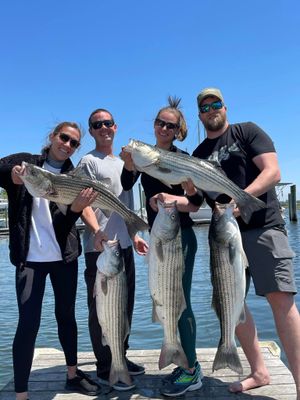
pixel 30 288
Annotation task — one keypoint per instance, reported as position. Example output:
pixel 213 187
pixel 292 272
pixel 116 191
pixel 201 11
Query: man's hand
pixel 98 239
pixel 84 199
pixel 140 245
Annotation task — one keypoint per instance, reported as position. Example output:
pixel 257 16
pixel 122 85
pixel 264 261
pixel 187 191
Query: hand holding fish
pixel 140 245
pixel 189 187
pixel 15 174
pixel 100 237
pixel 84 199
pixel 182 203
pixel 128 162
pixel 236 211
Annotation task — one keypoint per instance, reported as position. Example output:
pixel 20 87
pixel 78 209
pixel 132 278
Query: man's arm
pixel 269 175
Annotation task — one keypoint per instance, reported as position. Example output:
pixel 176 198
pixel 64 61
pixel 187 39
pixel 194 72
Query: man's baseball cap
pixel 207 92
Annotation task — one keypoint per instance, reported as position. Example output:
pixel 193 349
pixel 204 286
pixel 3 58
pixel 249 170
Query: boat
pixel 202 216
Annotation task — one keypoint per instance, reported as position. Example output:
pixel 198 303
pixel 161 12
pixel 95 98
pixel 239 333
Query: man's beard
pixel 215 124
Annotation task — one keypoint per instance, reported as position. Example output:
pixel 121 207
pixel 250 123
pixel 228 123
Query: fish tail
pixel 136 224
pixel 116 375
pixel 248 205
pixel 227 357
pixel 172 353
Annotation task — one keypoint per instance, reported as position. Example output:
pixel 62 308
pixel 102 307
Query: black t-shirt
pixel 233 152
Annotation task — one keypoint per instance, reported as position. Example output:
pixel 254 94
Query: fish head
pixel 110 261
pixel 143 155
pixel 167 221
pixel 36 180
pixel 223 224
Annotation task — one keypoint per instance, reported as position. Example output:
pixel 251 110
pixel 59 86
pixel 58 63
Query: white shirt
pixel 43 245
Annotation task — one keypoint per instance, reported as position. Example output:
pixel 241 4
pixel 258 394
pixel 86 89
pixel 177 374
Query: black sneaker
pixel 134 369
pixel 82 383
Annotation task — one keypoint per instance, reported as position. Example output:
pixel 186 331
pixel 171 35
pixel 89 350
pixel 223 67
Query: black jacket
pixel 20 208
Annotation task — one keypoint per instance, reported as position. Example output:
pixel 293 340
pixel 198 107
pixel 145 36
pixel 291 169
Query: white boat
pixel 202 216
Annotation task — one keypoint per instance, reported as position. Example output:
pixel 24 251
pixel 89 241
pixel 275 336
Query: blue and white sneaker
pixel 181 381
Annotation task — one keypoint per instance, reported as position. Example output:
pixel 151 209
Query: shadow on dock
pixel 48 376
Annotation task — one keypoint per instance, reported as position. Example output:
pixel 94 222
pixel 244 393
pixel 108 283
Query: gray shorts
pixel 270 260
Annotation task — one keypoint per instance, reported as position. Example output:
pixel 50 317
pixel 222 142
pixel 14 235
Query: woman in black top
pixel 170 125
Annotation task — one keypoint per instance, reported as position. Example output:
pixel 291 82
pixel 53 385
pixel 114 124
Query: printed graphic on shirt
pixel 223 153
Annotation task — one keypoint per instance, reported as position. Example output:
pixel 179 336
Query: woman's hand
pixel 15 174
pixel 85 198
pixel 189 188
pixel 128 162
pixel 140 245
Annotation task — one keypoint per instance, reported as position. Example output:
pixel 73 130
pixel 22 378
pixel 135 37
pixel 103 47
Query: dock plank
pixel 48 375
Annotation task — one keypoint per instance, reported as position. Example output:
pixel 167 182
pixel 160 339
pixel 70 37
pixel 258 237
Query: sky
pixel 62 59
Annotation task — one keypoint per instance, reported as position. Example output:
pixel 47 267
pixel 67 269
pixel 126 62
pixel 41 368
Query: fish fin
pixel 80 172
pixel 116 375
pixel 104 341
pixel 159 250
pixel 107 213
pixel 126 329
pixel 244 259
pixel 242 318
pixel 227 357
pixel 167 184
pixel 172 353
pixel 94 291
pixel 155 317
pixel 183 304
pixel 248 205
pixel 135 225
pixel 104 285
pixel 62 208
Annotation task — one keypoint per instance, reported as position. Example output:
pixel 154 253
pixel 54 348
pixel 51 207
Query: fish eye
pixel 117 253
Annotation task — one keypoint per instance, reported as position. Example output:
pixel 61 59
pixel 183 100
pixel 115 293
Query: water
pixel 144 334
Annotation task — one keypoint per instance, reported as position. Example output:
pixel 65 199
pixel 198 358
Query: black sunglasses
pixel 168 125
pixel 64 137
pixel 108 123
pixel 216 105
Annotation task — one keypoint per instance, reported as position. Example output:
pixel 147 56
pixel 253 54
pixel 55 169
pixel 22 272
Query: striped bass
pixel 63 189
pixel 175 168
pixel 111 304
pixel 227 264
pixel 166 267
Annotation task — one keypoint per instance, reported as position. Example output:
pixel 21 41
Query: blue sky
pixel 62 59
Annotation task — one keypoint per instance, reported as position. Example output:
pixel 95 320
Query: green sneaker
pixel 181 381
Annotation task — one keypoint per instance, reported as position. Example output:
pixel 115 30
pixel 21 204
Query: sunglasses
pixel 64 137
pixel 108 123
pixel 216 105
pixel 168 125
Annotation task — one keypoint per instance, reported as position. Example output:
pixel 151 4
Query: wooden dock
pixel 47 378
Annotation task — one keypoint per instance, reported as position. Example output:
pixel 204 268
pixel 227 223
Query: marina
pixel 48 377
